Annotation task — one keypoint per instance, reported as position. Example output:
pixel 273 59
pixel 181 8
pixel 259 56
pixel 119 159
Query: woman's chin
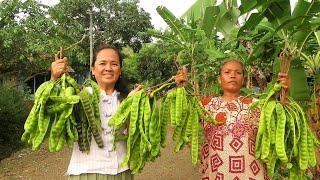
pixel 109 81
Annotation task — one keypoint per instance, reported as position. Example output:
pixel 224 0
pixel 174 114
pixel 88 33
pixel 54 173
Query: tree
pixel 24 32
pixel 32 33
pixel 151 65
pixel 274 30
pixel 115 22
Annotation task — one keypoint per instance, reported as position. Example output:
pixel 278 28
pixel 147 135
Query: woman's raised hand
pixel 284 80
pixel 181 77
pixel 137 87
pixel 58 67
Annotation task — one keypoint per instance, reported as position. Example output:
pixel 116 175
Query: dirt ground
pixel 29 165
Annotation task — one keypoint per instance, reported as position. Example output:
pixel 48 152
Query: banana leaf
pixel 163 36
pixel 317 34
pixel 175 24
pixel 299 90
pixel 210 19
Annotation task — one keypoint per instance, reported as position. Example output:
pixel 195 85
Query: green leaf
pixel 301 8
pixel 302 12
pixel 315 21
pixel 196 11
pixel 290 23
pixel 299 89
pixel 258 48
pixel 210 17
pixel 315 7
pixel 251 23
pixel 247 6
pixel 175 24
pixel 214 53
pixel 317 34
pixel 278 10
pixel 265 25
pixel 159 35
pixel 228 21
pixel 301 37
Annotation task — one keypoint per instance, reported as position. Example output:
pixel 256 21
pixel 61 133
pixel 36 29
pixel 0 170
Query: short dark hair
pixel 230 60
pixel 121 85
pixel 106 46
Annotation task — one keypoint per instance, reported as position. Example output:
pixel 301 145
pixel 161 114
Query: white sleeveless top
pixel 105 160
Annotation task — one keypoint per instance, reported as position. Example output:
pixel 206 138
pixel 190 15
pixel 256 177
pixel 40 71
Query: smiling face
pixel 231 77
pixel 106 68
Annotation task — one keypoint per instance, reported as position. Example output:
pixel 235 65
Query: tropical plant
pixel 275 33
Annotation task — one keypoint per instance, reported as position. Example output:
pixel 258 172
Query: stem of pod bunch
pixel 285 61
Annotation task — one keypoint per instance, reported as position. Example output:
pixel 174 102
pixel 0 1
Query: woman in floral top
pixel 228 150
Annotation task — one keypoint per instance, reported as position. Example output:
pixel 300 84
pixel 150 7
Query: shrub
pixel 13 113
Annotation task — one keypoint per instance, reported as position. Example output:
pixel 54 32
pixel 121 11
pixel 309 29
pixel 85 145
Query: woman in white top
pixel 101 163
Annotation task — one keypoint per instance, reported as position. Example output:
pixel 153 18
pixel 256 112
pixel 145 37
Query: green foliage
pixel 115 22
pixel 130 66
pixel 13 112
pixel 151 65
pixel 299 90
pixel 197 46
pixel 276 25
pixel 198 8
pixel 32 33
pixel 154 63
pixel 273 27
pixel 24 33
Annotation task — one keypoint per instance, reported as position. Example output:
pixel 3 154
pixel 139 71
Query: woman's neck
pixel 107 89
pixel 229 96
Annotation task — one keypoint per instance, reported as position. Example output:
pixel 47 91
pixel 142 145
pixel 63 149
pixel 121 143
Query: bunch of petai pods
pixel 64 113
pixel 148 116
pixel 284 137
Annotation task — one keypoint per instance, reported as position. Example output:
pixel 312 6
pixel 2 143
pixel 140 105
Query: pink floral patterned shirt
pixel 228 150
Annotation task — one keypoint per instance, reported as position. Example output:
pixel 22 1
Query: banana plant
pixel 312 66
pixel 199 45
pixel 275 22
pixel 193 48
pixel 285 34
pixel 226 20
pixel 273 30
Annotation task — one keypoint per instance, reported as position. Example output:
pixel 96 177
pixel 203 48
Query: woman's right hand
pixel 181 77
pixel 137 87
pixel 58 67
pixel 284 80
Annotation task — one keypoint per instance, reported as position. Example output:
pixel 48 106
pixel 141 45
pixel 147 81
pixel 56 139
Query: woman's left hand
pixel 137 87
pixel 285 80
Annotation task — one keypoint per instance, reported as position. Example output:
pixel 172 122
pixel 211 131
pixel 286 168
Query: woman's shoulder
pixel 207 98
pixel 247 100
